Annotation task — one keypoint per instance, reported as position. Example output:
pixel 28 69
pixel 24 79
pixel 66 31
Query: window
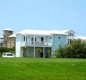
pixel 24 38
pixel 32 39
pixel 50 37
pixel 42 39
pixel 10 32
pixel 59 37
pixel 35 39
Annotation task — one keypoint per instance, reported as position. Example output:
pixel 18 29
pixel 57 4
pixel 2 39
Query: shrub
pixel 77 49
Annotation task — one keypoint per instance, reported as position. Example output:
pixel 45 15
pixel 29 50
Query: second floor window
pixel 32 39
pixel 42 39
pixel 24 38
pixel 35 39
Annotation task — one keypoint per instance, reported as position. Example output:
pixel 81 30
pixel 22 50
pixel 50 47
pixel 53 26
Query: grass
pixel 42 69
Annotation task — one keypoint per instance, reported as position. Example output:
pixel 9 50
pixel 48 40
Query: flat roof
pixel 41 32
pixel 13 35
pixel 80 37
pixel 7 29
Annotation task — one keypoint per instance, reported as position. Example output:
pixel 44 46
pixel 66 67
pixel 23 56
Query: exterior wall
pixel 58 40
pixel 46 51
pixel 6 35
pixel 48 40
pixel 11 43
pixel 19 52
pixel 30 52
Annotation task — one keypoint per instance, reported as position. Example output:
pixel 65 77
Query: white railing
pixel 36 44
pixel 70 37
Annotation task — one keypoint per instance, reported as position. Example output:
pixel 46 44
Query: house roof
pixel 58 32
pixel 69 30
pixel 80 37
pixel 7 29
pixel 38 32
pixel 13 35
pixel 41 32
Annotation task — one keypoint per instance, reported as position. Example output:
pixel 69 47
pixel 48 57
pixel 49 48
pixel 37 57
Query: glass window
pixel 59 37
pixel 42 39
pixel 32 39
pixel 24 38
pixel 35 39
pixel 50 37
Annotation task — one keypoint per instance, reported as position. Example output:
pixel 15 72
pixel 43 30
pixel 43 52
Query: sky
pixel 43 14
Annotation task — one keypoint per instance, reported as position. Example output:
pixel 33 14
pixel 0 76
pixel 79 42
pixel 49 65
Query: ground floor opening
pixel 38 52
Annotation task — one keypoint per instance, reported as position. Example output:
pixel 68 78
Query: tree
pixel 77 49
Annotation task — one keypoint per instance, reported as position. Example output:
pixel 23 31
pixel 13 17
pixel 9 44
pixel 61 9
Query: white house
pixel 40 43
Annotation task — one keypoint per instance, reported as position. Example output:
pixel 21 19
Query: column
pixel 25 40
pixel 43 52
pixel 34 46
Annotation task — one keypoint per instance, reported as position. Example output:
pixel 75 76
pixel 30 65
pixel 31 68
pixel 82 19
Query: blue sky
pixel 43 14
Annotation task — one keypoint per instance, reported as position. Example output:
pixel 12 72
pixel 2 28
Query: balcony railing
pixel 36 44
pixel 70 37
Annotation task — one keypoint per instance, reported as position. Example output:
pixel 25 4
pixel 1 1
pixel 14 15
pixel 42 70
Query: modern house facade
pixel 39 43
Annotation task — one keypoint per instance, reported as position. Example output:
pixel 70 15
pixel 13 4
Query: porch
pixel 37 52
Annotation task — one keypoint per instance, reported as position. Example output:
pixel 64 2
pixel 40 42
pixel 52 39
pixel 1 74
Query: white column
pixel 34 46
pixel 43 52
pixel 25 40
pixel 44 40
pixel 52 47
pixel 34 52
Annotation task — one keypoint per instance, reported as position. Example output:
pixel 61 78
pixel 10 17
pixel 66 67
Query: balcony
pixel 37 44
pixel 70 37
pixel 43 44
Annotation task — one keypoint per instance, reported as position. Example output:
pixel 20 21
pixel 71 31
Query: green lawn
pixel 42 69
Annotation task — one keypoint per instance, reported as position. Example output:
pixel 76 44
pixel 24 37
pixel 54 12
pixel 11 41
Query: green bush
pixel 77 49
